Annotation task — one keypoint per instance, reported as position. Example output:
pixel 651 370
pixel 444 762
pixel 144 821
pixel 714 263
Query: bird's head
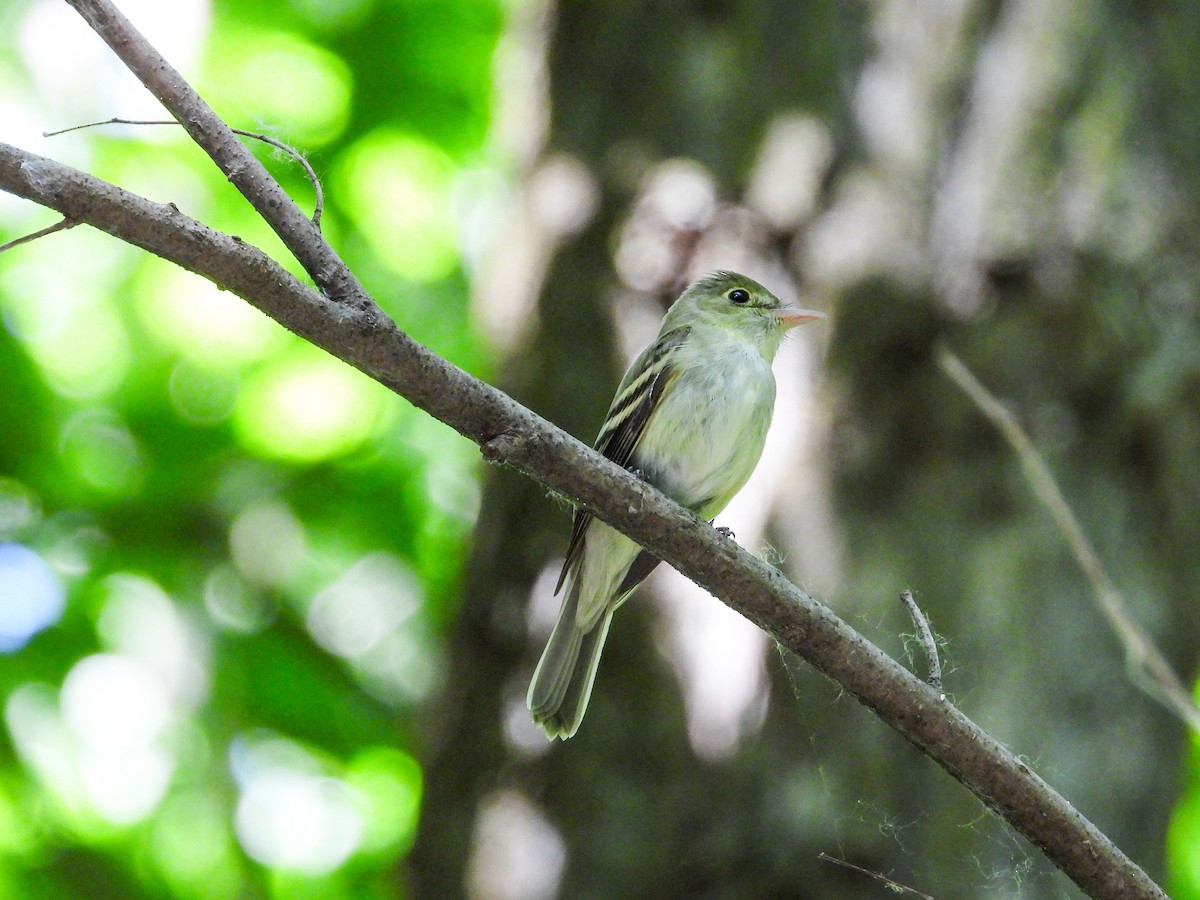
pixel 737 303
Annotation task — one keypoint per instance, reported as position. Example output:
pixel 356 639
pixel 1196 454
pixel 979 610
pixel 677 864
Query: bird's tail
pixel 562 683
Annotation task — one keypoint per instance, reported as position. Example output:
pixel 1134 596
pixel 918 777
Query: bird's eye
pixel 739 296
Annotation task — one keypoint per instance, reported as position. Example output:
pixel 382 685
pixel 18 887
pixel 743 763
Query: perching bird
pixel 690 416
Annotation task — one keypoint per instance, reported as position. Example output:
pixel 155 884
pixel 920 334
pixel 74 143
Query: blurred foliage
pixel 226 558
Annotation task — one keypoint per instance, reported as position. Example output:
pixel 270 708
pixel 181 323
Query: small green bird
pixel 691 416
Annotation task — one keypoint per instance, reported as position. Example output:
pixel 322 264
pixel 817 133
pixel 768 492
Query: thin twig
pixel 1143 658
pixel 57 226
pixel 927 641
pixel 891 883
pixel 318 191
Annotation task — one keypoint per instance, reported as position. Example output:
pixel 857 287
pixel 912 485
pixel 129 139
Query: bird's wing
pixel 637 398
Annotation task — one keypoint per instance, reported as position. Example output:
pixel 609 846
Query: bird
pixel 690 417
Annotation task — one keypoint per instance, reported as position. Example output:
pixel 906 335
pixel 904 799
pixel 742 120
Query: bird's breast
pixel 708 434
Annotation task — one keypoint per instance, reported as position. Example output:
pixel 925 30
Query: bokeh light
pixel 32 596
pixel 234 605
pixel 193 847
pixel 139 620
pixel 104 744
pixel 202 395
pixel 20 508
pixel 267 543
pixel 116 710
pixel 292 820
pixel 291 814
pixel 369 616
pixel 97 447
pixel 291 84
pixel 398 189
pixel 81 79
pixel 66 317
pixel 97 746
pixel 388 782
pixel 195 319
pixel 370 600
pixel 517 853
pixel 308 407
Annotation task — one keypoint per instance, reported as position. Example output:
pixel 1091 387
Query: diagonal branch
pixel 299 233
pixel 345 321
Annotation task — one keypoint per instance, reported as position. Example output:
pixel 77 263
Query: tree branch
pixel 928 643
pixel 891 884
pixel 296 155
pixel 1150 670
pixel 299 233
pixel 354 329
pixel 61 225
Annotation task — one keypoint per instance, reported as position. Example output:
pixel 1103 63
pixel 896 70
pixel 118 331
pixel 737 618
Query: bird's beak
pixel 789 317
